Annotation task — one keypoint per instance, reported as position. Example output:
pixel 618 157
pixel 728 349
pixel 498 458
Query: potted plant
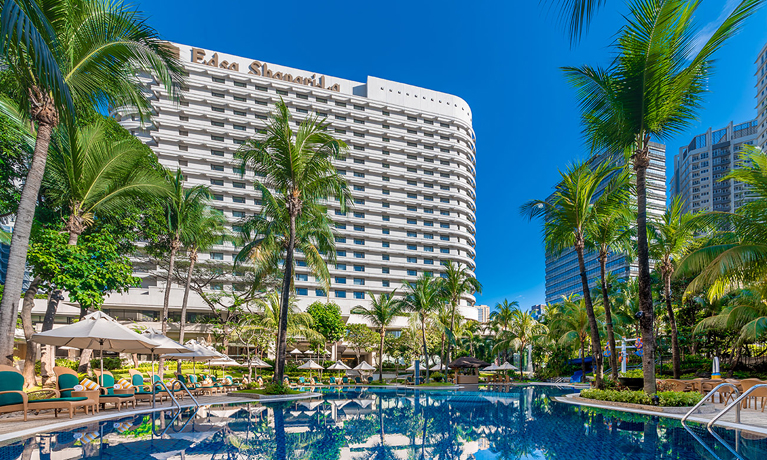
pixel 633 379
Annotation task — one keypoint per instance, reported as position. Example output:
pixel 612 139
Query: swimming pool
pixel 382 423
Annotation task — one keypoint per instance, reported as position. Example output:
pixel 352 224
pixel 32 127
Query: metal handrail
pixel 701 442
pixel 187 391
pixel 735 404
pixel 709 394
pixel 167 390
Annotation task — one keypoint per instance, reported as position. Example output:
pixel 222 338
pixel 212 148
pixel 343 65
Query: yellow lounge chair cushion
pixel 89 384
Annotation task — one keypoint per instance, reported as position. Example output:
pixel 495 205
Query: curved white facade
pixel 411 164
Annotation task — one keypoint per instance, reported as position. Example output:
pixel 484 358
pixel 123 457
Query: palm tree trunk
pixel 646 322
pixel 174 245
pixel 47 359
pixel 452 331
pixel 442 350
pixel 608 318
pixel 676 359
pixel 279 365
pixel 182 325
pixel 26 323
pixel 380 355
pixel 594 329
pixel 583 360
pixel 22 228
pixel 425 349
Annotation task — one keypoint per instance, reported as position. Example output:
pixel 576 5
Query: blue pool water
pixel 378 423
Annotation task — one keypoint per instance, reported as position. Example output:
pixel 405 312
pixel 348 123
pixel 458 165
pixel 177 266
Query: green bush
pixel 110 363
pixel 437 376
pixel 678 399
pixel 69 363
pixel 633 374
pixel 276 389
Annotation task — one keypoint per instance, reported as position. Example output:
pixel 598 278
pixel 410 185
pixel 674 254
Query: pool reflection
pixel 523 423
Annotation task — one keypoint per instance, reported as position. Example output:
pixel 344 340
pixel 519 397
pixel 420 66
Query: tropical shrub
pixel 678 398
pixel 632 397
pixel 437 376
pixel 276 389
pixel 70 364
pixel 110 363
pixel 632 374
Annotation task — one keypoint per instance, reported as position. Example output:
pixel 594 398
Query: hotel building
pixel 410 167
pixel 761 98
pixel 700 166
pixel 562 273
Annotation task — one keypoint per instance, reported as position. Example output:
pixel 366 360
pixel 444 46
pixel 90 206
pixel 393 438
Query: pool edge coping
pixel 731 425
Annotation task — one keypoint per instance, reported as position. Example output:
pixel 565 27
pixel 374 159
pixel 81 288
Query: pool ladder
pixel 709 426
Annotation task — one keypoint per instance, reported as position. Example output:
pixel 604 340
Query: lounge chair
pixel 332 380
pixel 345 380
pixel 358 380
pixel 66 379
pixel 175 389
pixel 678 385
pixel 756 395
pixel 108 395
pixel 370 379
pixel 187 381
pixel 13 397
pixel 144 391
pixel 230 384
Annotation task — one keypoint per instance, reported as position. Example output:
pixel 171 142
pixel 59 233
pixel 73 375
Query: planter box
pixel 633 383
pixel 668 410
pixel 306 395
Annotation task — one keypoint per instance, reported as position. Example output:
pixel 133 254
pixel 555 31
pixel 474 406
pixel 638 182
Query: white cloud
pixel 708 30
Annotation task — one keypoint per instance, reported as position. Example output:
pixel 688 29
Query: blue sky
pixel 502 57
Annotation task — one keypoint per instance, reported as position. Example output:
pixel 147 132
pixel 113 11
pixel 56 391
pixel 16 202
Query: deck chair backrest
pixel 107 381
pixel 66 379
pixel 11 380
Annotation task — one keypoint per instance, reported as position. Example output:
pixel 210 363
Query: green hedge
pixel 667 398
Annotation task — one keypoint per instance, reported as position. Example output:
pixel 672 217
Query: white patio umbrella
pixel 167 345
pixel 338 366
pixel 311 365
pixel 296 352
pixel 258 363
pixel 491 368
pixel 224 362
pixel 438 367
pixel 412 368
pixel 97 331
pixel 506 367
pixel 364 367
pixel 199 353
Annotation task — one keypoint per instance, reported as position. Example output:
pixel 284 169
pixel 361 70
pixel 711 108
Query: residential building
pixel 410 167
pixel 536 311
pixel 700 166
pixel 483 313
pixel 761 98
pixel 562 273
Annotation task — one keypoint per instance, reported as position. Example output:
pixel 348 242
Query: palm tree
pixel 422 298
pixel 672 236
pixel 610 233
pixel 500 320
pixel 299 167
pixel 584 193
pixel 61 55
pixel 652 89
pixel 745 312
pixel 577 16
pixel 205 230
pixel 457 282
pixel 88 174
pixel 299 324
pixel 183 210
pixel 570 323
pixel 381 312
pixel 523 330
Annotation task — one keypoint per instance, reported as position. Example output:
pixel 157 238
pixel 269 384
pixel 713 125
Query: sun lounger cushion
pixel 124 383
pixel 70 399
pixel 137 380
pixel 89 384
pixel 10 381
pixel 112 395
pixel 67 381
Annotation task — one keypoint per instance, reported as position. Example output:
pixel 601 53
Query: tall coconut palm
pixel 59 55
pixel 585 192
pixel 299 324
pixel 298 166
pixel 89 174
pixel 422 298
pixel 569 323
pixel 500 321
pixel 610 233
pixel 381 312
pixel 206 229
pixel 652 90
pixel 745 313
pixel 457 282
pixel 523 330
pixel 672 236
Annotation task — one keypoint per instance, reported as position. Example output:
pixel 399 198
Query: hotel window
pixel 359 295
pixel 240 84
pixel 412 247
pixel 341 172
pixel 427 146
pixel 428 172
pixel 319 99
pixel 444 150
pixel 385 204
pixel 359 255
pixel 359 215
pixel 385 283
pixel 412 235
pixel 384 139
pixel 428 261
pixel 300 110
pixel 238 214
pixel 282 93
pixel 444 162
pixel 238 184
pixel 217 255
pixel 302 96
pixel 385 218
pixel 302 291
pixel 319 292
pixel 359 268
pixel 385 270
pixel 301 263
pixel 339 212
pixel 412 273
pixel 359 242
pixel 445 213
pixel 412 144
pixel 428 185
pixel 260 102
pixel 385 126
pixel 385 191
pixel 385 244
pixel 217 109
pixel 219 80
pixel 412 131
pixel 445 251
pixel 216 167
pixel 444 238
pixel 340 294
pixel 359 228
pixel 239 141
pixel 340 131
pixel 239 113
pixel 341 104
pixel 385 165
pixel 359 188
pixel 359 281
pixel 428 210
pixel 341 226
pixel 428 248
pixel 385 231
pixel 236 228
pixel 412 222
pixel 341 254
pixel 302 277
pixel 186 133
pixel 385 113
pixel 359 161
pixel 412 170
pixel 412 157
pixel 217 138
pixel 444 225
pixel 341 267
pixel 385 257
pixel 218 197
pixel 385 178
pixel 262 88
pixel 239 127
pixel 385 152
pixel 359 147
pixel 217 94
pixel 340 239
pixel 359 107
pixel 240 99
pixel 339 117
pixel 359 201
pixel 410 118
pixel 428 223
pixel 412 182
pixel 412 208
pixel 359 174
pixel 428 236
pixel 359 122
pixel 183 118
pixel 218 182
pixel 428 197
pixel 444 200
pixel 340 280
pixel 238 199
